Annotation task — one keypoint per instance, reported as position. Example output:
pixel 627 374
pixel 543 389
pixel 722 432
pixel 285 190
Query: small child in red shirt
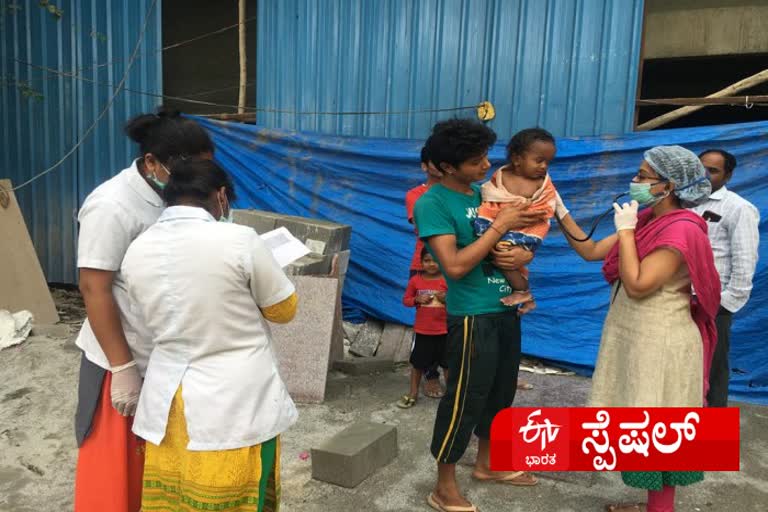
pixel 426 292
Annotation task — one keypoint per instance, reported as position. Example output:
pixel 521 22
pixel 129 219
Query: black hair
pixel 728 158
pixel 424 155
pixel 524 139
pixel 424 252
pixel 168 135
pixel 457 140
pixel 194 179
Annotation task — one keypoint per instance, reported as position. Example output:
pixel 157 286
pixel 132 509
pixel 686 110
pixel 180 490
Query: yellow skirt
pixel 179 480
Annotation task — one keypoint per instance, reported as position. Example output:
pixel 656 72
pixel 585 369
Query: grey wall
pixel 686 28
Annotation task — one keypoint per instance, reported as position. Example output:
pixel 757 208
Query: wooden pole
pixel 728 91
pixel 745 101
pixel 243 66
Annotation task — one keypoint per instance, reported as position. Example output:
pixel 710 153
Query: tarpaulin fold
pixel 362 182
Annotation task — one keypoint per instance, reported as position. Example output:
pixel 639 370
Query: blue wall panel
pixel 37 131
pixel 568 65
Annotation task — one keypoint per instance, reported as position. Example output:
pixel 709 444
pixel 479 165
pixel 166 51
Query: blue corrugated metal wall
pixel 37 131
pixel 568 65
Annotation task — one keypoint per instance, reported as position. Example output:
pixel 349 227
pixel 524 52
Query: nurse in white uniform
pixel 113 340
pixel 213 404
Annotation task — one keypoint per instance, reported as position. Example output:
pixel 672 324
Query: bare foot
pixel 527 307
pixel 433 389
pixel 517 297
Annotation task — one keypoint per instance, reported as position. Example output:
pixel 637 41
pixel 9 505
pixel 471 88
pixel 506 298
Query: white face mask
pixel 228 218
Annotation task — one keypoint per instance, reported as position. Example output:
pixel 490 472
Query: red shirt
pixel 430 318
pixel 411 197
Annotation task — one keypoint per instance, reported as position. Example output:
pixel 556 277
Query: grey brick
pixel 354 454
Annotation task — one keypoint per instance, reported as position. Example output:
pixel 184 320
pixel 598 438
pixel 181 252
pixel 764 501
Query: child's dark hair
pixel 728 158
pixel 522 141
pixel 194 179
pixel 424 154
pixel 167 135
pixel 457 140
pixel 425 252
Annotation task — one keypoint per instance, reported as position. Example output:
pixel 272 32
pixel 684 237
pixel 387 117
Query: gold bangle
pixel 496 230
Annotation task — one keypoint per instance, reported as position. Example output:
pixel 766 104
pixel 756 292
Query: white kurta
pixel 199 284
pixel 112 216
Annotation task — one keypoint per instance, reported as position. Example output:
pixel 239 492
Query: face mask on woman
pixel 229 217
pixel 153 177
pixel 641 192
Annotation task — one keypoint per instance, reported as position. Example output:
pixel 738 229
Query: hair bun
pixel 167 112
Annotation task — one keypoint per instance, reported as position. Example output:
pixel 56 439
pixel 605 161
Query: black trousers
pixel 483 357
pixel 720 371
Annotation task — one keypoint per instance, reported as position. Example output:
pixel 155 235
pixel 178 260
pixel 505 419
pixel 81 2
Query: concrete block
pixel 332 237
pixel 22 282
pixel 310 265
pixel 354 454
pixel 261 221
pixel 391 339
pixel 52 330
pixel 303 346
pixel 351 330
pixel 368 338
pixel 363 365
pixel 403 353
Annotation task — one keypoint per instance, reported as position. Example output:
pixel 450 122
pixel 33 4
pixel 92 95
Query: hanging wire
pixel 249 108
pixel 106 108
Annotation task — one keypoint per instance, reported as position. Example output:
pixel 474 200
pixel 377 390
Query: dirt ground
pixel 38 453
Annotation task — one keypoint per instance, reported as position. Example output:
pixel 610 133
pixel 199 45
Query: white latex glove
pixel 126 386
pixel 626 215
pixel 560 210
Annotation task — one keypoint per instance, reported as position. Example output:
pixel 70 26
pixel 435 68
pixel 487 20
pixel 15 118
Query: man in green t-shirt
pixel 483 345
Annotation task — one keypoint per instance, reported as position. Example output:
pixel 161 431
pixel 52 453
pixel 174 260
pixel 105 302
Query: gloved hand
pixel 126 385
pixel 626 215
pixel 560 210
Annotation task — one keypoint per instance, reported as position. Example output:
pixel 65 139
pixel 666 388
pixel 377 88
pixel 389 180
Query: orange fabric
pixel 411 197
pixel 110 463
pixel 544 199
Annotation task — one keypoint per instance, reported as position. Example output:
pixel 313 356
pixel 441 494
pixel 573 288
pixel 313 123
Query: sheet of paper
pixel 285 247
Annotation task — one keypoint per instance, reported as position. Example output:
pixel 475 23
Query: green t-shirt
pixel 441 211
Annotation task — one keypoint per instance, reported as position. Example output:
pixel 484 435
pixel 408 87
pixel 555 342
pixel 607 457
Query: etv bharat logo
pixel 545 432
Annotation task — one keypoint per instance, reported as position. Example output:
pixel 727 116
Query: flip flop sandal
pixel 510 479
pixel 525 386
pixel 406 402
pixel 432 501
pixel 626 507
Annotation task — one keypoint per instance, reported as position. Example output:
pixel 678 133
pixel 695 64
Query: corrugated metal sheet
pixel 568 65
pixel 37 131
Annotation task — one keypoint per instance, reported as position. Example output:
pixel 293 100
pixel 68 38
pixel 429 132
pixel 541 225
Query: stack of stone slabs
pixel 314 339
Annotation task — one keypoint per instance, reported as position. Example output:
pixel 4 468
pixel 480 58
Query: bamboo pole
pixel 243 66
pixel 728 91
pixel 744 101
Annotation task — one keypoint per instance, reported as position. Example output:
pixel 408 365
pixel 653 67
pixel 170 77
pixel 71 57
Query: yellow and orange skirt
pixel 179 480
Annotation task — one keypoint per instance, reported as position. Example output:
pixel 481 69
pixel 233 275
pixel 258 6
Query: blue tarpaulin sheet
pixel 362 182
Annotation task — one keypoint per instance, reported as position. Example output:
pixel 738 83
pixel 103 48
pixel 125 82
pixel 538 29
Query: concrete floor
pixel 38 453
pixel 404 484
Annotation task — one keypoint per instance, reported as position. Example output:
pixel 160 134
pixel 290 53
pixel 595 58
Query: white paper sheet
pixel 285 247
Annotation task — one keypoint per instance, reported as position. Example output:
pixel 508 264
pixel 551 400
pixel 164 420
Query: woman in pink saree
pixel 659 335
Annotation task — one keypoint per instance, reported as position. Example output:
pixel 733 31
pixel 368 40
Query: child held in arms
pixel 522 181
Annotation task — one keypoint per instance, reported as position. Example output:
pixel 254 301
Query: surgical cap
pixel 684 169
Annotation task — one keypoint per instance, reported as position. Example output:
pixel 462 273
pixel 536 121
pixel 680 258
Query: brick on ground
pixel 354 454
